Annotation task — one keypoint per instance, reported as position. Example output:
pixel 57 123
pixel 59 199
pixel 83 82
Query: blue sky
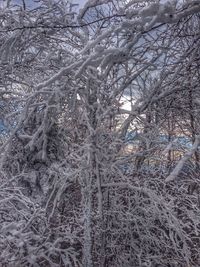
pixel 1 126
pixel 80 2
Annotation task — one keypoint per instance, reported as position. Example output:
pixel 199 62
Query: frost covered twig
pixel 173 175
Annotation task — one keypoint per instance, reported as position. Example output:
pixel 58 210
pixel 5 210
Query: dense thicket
pixel 99 147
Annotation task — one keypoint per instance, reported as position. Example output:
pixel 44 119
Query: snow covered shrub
pixel 67 198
